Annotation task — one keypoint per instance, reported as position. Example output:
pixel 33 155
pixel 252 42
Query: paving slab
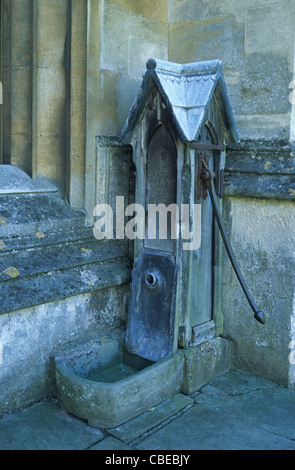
pixel 256 402
pixel 152 418
pixel 202 428
pixel 110 443
pixel 236 411
pixel 237 383
pixel 45 426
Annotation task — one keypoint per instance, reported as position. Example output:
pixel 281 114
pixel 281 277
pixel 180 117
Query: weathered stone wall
pixel 260 214
pixel 129 33
pixel 255 41
pixel 31 337
pixel 70 72
pixel 262 234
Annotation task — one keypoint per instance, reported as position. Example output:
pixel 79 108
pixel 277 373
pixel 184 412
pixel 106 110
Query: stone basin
pixel 99 381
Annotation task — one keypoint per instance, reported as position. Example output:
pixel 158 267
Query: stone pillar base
pixel 204 363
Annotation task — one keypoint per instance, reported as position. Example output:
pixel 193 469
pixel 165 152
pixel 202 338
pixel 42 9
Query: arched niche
pixel 161 186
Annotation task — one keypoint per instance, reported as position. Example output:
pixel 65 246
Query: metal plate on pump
pixel 151 322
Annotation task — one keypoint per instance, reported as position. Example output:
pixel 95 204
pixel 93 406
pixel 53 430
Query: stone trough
pixel 100 382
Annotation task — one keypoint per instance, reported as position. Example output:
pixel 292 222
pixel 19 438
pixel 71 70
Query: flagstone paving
pixel 234 412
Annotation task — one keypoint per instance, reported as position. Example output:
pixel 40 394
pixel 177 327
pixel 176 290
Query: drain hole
pixel 151 280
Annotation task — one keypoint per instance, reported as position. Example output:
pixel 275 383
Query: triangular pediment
pixel 187 91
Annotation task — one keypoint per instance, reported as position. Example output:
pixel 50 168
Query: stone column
pixel 94 101
pixel 17 82
pixel 50 47
pixel 1 91
pixel 5 77
pixel 77 108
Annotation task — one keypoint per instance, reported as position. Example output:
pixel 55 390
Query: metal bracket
pixel 201 177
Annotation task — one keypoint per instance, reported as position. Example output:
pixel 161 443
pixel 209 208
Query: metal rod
pixel 258 315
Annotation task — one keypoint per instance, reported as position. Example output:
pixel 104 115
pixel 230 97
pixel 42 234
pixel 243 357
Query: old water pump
pixel 178 127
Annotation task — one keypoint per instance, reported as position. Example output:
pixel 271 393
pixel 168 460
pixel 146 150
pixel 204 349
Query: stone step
pixel 15 181
pixel 25 292
pixel 44 259
pixel 46 252
pixel 44 239
pixel 26 214
pixel 56 265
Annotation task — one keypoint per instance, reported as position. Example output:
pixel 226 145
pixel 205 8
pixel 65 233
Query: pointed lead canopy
pixel 187 91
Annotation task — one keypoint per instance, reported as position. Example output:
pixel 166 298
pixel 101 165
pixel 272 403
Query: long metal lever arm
pixel 258 315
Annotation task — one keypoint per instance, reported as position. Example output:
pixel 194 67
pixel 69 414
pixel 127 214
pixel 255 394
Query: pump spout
pixel 208 176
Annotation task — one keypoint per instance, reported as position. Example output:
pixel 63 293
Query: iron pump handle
pixel 208 177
